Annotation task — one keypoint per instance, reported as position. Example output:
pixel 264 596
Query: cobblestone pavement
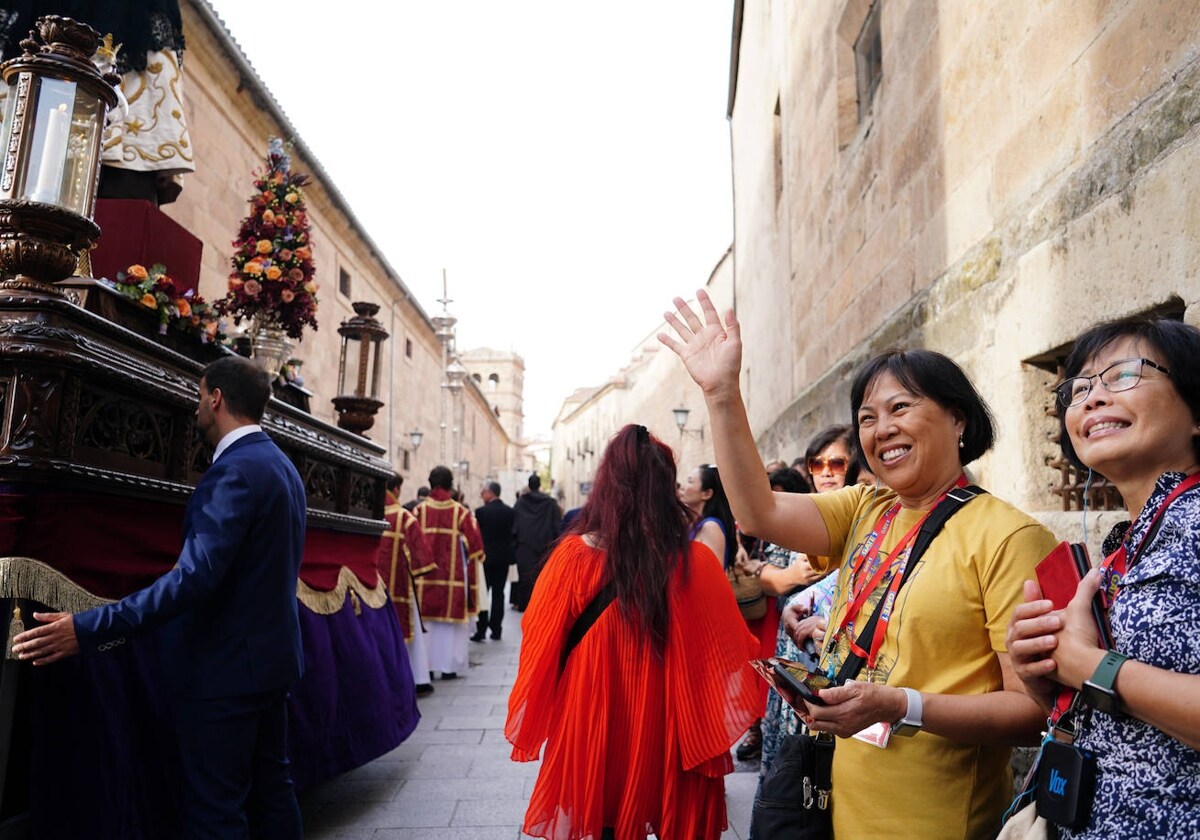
pixel 452 779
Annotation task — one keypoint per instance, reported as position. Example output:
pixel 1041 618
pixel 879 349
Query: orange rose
pixel 137 271
pixel 287 295
pixel 253 268
pixel 252 288
pixel 303 252
pixel 268 216
pixel 273 273
pixel 291 198
pixel 185 308
pixel 149 301
pixel 265 246
pixel 311 287
pixel 235 283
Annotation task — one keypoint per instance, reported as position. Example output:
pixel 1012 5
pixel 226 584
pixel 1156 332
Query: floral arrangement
pixel 187 311
pixel 272 283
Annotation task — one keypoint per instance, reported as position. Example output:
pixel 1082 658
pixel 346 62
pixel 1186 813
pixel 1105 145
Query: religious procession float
pixel 99 452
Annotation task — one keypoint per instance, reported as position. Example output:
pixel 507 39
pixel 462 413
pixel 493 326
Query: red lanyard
pixel 1113 570
pixel 868 583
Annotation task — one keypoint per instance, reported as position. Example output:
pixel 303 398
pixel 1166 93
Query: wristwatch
pixel 1098 691
pixel 912 721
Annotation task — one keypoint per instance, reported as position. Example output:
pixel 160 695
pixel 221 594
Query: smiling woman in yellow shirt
pixel 940 668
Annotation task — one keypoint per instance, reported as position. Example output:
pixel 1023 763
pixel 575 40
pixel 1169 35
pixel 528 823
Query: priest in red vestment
pixel 447 595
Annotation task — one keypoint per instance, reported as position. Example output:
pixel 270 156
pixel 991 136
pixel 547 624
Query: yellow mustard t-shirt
pixel 948 622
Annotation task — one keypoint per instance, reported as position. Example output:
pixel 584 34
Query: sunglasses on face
pixel 1119 376
pixel 835 464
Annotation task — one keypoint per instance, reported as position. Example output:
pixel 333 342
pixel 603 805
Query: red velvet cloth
pixel 112 546
pixel 134 231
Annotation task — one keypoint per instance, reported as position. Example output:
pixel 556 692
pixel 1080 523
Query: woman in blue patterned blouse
pixel 1131 413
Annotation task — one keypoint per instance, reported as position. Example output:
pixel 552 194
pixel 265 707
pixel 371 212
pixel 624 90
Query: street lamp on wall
pixel 681 418
pixel 415 437
pixel 51 137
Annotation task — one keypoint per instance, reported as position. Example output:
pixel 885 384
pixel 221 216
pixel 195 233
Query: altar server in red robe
pixel 404 556
pixel 447 594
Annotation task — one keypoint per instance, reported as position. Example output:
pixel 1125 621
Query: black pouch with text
pixel 1066 784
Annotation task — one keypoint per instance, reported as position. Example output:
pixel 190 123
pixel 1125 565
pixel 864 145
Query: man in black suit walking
pixel 495 520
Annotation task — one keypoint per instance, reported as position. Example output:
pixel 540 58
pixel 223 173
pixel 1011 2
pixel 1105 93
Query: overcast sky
pixel 566 162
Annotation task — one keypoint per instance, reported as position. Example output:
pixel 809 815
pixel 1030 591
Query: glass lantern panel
pixel 64 149
pixel 83 156
pixel 350 385
pixel 47 154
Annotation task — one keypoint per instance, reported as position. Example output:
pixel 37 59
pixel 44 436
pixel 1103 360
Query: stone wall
pixel 230 117
pixel 1025 169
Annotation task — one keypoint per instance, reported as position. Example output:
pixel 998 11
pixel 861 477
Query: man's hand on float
pixel 54 640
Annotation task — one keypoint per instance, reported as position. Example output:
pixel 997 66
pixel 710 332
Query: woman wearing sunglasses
pixel 936 670
pixel 1130 411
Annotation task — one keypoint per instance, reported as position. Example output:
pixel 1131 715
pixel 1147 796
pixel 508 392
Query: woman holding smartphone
pixel 638 717
pixel 937 670
pixel 1129 410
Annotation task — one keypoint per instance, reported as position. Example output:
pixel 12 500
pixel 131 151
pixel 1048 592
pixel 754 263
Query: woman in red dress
pixel 639 719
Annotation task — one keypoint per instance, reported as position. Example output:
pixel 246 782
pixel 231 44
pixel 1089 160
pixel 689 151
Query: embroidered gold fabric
pixel 154 135
pixel 332 601
pixel 33 580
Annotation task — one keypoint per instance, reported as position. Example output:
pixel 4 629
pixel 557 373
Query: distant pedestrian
pixel 422 494
pixel 637 719
pixel 535 526
pixel 495 520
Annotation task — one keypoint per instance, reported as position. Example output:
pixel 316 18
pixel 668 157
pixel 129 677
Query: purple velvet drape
pixel 94 750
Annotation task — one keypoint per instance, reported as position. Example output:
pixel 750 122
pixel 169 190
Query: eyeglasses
pixel 1119 376
pixel 836 464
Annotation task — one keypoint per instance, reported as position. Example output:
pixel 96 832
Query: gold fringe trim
pixel 331 601
pixel 33 580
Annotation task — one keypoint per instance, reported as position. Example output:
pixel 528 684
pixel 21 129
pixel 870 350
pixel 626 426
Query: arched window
pixel 493 382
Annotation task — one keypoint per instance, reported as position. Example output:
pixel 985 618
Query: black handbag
pixel 793 802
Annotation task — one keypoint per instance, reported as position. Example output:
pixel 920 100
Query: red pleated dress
pixel 633 743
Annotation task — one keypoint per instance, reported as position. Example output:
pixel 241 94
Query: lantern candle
pixel 54 154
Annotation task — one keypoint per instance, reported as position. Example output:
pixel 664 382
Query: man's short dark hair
pixel 441 477
pixel 422 492
pixel 535 483
pixel 244 386
pixel 494 488
pixel 395 482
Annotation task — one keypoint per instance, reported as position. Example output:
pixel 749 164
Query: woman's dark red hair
pixel 635 516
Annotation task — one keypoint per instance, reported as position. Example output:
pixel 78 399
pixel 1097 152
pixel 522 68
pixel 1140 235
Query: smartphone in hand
pixel 803 682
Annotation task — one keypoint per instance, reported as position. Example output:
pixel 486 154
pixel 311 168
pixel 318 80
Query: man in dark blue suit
pixel 228 614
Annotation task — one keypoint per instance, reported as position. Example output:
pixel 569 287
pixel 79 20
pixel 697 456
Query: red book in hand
pixel 1059 575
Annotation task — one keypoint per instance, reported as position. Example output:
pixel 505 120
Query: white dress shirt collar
pixel 231 437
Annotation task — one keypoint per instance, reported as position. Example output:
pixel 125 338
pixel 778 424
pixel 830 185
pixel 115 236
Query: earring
pixel 960 442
